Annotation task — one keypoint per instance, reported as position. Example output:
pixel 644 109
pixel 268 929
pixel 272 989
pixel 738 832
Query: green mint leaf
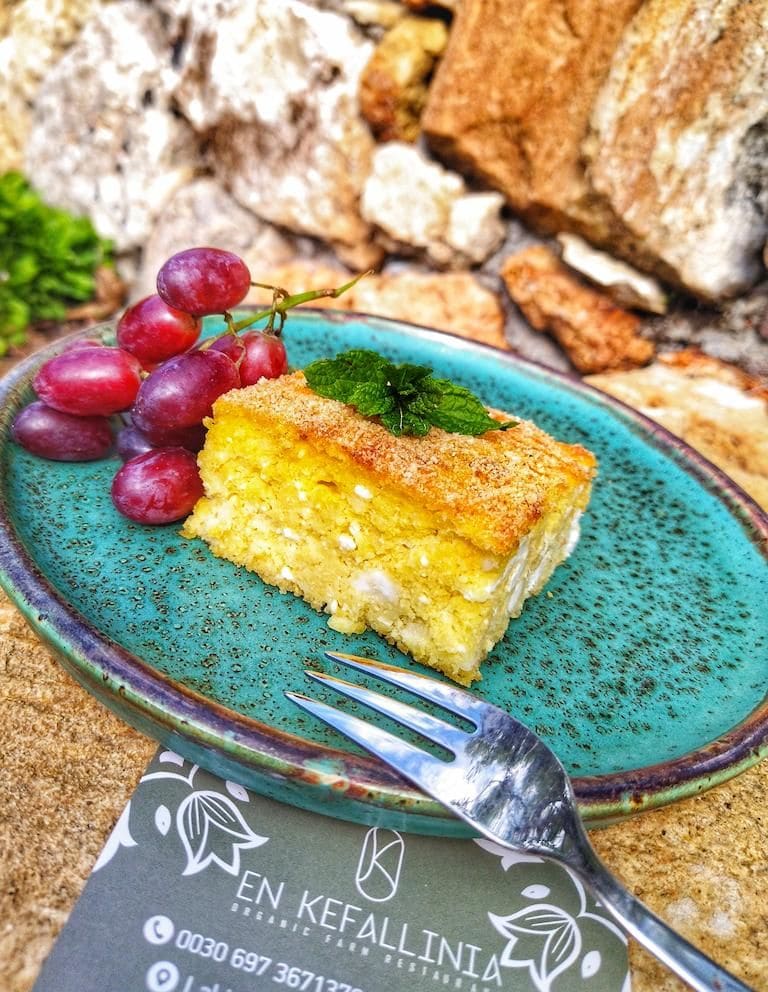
pixel 406 380
pixel 403 421
pixel 370 399
pixel 407 398
pixel 457 410
pixel 357 373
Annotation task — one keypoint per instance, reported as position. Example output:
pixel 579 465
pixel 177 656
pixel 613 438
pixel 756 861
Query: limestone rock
pixel 104 141
pixel 733 332
pixel 511 101
pixel 448 301
pixel 393 87
pixel 274 86
pixel 417 203
pixel 593 331
pixel 369 14
pixel 679 147
pixel 625 285
pixel 713 406
pixel 475 228
pixel 203 212
pixel 531 344
pixel 35 33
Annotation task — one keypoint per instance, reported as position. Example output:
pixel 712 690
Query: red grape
pixel 131 442
pixel 201 281
pixel 59 436
pixel 157 487
pixel 153 331
pixel 181 392
pixel 260 356
pixel 191 438
pixel 231 345
pixel 89 381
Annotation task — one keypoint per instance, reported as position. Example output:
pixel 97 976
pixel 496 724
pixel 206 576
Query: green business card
pixel 206 887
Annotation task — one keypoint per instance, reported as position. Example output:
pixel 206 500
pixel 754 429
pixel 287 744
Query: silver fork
pixel 510 787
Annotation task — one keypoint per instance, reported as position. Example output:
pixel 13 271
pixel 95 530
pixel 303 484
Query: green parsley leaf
pixel 408 399
pixel 47 259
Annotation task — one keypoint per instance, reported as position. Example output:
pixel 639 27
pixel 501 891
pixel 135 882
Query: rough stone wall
pixel 33 35
pixel 679 142
pixel 512 98
pixel 639 124
pixel 104 140
pixel 642 126
pixel 274 85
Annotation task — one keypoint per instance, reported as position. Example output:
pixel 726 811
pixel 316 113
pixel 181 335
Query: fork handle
pixel 673 950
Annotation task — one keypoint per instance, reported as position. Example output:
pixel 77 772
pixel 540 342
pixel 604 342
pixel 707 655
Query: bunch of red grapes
pixel 160 382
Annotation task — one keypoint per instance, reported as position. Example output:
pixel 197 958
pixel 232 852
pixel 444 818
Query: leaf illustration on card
pixel 590 964
pixel 172 758
pixel 237 791
pixel 120 837
pixel 212 830
pixel 508 856
pixel 542 938
pixel 163 819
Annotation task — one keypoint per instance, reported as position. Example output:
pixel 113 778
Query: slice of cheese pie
pixel 434 542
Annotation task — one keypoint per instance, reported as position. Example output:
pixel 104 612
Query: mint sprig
pixel 406 398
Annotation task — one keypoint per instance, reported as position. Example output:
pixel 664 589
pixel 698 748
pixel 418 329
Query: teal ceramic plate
pixel 644 664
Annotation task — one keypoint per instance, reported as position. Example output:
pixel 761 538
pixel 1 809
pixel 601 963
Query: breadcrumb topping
pixel 492 489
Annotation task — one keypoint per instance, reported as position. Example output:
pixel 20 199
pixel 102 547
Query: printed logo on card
pixel 380 864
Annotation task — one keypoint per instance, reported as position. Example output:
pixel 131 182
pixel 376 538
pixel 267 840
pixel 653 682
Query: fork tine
pixel 428 726
pixel 450 697
pixel 410 761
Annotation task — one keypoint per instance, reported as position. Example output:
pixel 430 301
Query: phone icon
pixel 158 930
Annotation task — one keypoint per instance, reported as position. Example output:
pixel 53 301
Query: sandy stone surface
pixel 67 769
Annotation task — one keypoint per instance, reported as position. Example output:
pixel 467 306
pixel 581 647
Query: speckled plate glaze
pixel 644 664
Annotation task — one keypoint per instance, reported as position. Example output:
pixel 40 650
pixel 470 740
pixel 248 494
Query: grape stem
pixel 282 302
